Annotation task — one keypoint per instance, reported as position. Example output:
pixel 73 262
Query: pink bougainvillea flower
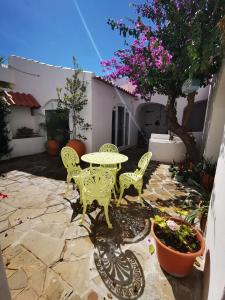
pixel 2 196
pixel 172 225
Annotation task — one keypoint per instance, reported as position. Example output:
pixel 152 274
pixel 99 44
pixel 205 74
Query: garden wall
pixel 214 273
pixel 27 146
pixel 213 130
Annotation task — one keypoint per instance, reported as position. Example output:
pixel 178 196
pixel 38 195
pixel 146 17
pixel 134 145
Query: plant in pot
pixel 177 245
pixel 207 170
pixel 52 137
pixel 200 214
pixel 74 99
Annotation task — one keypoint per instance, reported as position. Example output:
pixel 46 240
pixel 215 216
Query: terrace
pixel 48 256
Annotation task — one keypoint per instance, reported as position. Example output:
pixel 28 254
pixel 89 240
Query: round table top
pixel 104 158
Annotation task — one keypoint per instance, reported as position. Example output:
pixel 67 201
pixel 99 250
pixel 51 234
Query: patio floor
pixel 48 257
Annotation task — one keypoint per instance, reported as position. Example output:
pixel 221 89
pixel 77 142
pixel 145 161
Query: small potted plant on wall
pixel 200 214
pixel 177 245
pixel 207 173
pixel 74 99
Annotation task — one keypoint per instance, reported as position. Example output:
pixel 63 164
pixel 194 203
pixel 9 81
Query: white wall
pixel 213 129
pixel 6 74
pixel 202 94
pixel 20 117
pixel 214 274
pixel 104 98
pixel 41 80
pixel 166 151
pixel 27 146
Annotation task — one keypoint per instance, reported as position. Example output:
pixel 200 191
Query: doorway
pixel 57 126
pixel 120 126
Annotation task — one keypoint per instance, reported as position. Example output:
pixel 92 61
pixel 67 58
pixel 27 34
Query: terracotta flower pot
pixel 207 181
pixel 53 147
pixel 174 262
pixel 78 146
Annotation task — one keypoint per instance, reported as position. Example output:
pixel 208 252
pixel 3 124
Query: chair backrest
pixel 70 158
pixel 108 148
pixel 143 163
pixel 97 180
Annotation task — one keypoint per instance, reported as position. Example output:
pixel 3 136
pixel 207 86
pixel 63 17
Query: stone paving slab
pixel 49 258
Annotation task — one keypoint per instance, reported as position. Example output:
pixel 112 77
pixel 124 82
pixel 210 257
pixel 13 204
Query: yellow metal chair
pixel 71 160
pixel 96 184
pixel 135 178
pixel 111 148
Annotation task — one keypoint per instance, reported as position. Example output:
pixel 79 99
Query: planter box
pixel 164 150
pixel 27 146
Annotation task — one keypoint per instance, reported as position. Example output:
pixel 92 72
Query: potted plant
pixel 177 245
pixel 52 133
pixel 201 212
pixel 207 171
pixel 74 99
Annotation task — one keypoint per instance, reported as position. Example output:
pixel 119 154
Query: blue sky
pixel 51 31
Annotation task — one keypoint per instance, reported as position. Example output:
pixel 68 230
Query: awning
pixel 21 99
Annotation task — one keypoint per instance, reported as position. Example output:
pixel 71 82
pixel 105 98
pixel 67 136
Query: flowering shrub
pixel 145 52
pixel 171 41
pixel 178 236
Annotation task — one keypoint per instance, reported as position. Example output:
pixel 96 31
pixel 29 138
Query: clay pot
pixel 207 181
pixel 176 263
pixel 53 147
pixel 78 146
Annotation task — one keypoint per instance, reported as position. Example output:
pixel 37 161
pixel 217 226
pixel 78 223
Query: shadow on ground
pixel 51 166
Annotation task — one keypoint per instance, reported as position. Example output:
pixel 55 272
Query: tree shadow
pixel 41 164
pixel 120 270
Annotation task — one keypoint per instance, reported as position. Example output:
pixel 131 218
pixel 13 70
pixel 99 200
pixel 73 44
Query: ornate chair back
pixel 108 148
pixel 97 182
pixel 143 163
pixel 70 160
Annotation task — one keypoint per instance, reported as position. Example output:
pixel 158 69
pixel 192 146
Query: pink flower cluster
pixel 144 53
pixel 172 225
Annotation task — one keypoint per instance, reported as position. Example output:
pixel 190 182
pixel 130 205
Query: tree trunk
pixel 177 129
pixel 188 110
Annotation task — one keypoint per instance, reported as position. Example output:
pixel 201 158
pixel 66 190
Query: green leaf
pixel 151 249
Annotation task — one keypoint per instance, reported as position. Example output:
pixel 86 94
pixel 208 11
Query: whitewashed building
pixel 114 113
pixel 109 109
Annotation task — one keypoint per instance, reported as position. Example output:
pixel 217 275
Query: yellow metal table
pixel 104 158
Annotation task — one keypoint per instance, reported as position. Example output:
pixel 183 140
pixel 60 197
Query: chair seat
pixel 130 175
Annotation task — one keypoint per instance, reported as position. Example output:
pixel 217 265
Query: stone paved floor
pixel 47 257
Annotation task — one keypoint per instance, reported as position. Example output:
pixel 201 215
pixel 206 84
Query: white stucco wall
pixel 41 80
pixel 6 74
pixel 21 117
pixel 214 274
pixel 213 129
pixel 202 94
pixel 166 151
pixel 104 98
pixel 27 146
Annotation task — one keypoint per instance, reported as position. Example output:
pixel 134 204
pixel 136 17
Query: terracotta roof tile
pixel 114 85
pixel 21 99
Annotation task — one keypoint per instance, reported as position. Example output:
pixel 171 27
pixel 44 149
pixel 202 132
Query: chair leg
pixel 106 211
pixel 116 186
pixel 114 194
pixel 121 195
pixel 68 179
